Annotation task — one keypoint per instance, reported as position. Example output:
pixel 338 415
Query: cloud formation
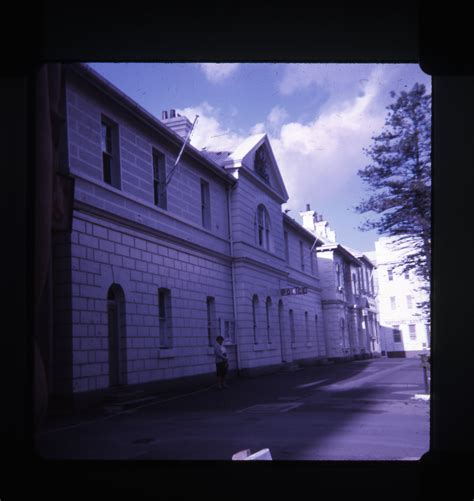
pixel 218 72
pixel 318 158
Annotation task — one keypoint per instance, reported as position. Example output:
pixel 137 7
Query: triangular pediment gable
pixel 255 155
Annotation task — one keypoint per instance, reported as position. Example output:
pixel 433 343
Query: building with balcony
pixel 348 295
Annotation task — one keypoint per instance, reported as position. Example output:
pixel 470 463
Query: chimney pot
pixel 172 113
pixel 164 115
pixel 308 207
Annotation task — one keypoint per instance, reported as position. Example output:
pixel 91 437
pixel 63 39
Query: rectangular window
pixel 359 285
pixel 110 160
pixel 338 274
pixel 164 312
pixel 311 261
pixel 412 331
pixel 390 275
pixel 205 205
pixel 301 255
pixel 393 303
pixel 409 302
pixel 397 335
pixel 229 331
pixel 211 320
pixel 407 275
pixel 159 179
pixel 428 335
pixel 287 248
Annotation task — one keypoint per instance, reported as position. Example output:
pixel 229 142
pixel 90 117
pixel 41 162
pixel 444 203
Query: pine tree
pixel 399 178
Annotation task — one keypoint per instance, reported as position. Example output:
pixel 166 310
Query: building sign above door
pixel 294 291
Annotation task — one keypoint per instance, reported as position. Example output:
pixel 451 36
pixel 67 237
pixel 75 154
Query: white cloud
pixel 332 77
pixel 277 116
pixel 208 131
pixel 319 158
pixel 218 72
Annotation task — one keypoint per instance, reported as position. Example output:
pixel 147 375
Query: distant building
pixel 404 330
pixel 348 296
pixel 159 261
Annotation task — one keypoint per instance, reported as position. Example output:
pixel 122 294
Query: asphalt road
pixel 362 410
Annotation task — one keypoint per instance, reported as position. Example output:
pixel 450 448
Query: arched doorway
pixel 285 353
pixel 117 336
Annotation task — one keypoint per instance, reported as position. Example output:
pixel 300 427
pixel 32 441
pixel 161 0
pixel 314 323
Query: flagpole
pixel 181 152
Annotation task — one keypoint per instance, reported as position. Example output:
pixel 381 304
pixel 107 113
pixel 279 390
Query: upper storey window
pixel 110 160
pixel 159 179
pixel 260 164
pixel 263 227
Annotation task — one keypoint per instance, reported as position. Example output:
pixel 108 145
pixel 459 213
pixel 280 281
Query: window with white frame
pixel 110 156
pixel 390 274
pixel 412 331
pixel 159 179
pixel 263 227
pixel 205 205
pixel 301 255
pixel 393 302
pixel 338 274
pixel 409 302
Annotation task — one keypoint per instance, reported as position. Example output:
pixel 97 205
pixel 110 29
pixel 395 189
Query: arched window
pixel 263 227
pixel 268 305
pixel 254 317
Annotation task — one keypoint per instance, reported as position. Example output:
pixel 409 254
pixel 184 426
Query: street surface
pixel 361 410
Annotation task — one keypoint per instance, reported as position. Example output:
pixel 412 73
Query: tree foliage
pixel 399 180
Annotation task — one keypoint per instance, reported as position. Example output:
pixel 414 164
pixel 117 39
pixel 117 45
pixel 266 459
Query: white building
pixel 348 295
pixel 158 261
pixel 404 330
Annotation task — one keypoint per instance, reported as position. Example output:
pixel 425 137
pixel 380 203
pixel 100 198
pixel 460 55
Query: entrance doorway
pixel 285 353
pixel 117 338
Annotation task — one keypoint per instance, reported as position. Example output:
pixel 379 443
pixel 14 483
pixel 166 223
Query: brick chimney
pixel 309 218
pixel 178 124
pixel 313 222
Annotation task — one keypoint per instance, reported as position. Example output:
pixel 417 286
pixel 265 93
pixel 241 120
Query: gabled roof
pixel 243 158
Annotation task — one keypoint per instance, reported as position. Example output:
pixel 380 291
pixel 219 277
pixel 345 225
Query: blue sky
pixel 318 118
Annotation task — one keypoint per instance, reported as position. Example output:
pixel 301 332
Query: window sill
pixel 167 353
